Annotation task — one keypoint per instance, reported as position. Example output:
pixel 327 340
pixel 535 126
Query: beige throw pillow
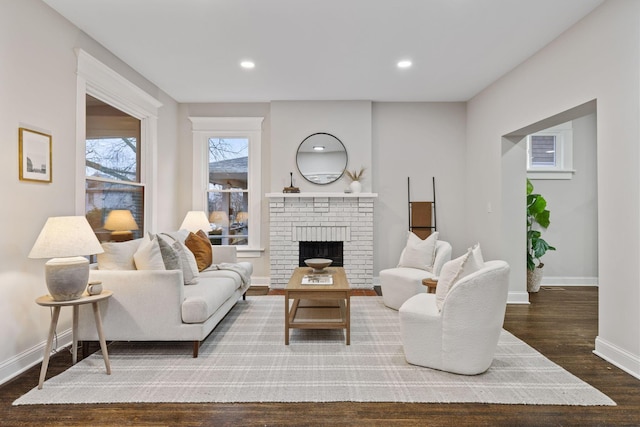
pixel 148 255
pixel 188 262
pixel 454 270
pixel 419 253
pixel 118 255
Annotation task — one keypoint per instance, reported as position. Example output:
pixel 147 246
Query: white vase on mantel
pixel 356 186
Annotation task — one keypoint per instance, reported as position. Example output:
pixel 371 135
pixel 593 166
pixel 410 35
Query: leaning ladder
pixel 421 213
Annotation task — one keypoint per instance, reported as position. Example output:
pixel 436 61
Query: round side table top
pixel 48 301
pixel 431 284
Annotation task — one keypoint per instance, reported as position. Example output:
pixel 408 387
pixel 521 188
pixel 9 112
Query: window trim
pixel 563 134
pixel 101 82
pixel 204 128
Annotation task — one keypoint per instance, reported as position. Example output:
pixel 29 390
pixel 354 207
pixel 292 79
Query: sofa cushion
pixel 419 253
pixel 118 255
pixel 244 271
pixel 200 246
pixel 203 299
pixel 170 255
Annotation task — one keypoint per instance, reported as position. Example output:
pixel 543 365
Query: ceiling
pixel 323 49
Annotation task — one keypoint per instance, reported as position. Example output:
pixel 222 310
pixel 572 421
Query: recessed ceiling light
pixel 404 64
pixel 318 147
pixel 247 64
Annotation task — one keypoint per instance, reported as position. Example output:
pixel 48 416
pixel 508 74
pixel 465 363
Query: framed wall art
pixel 34 154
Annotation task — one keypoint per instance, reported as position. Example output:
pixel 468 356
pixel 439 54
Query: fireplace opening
pixel 328 250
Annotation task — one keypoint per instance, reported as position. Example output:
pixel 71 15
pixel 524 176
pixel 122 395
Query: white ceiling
pixel 323 49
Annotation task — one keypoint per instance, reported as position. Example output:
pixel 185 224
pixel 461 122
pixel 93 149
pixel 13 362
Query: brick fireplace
pixel 322 217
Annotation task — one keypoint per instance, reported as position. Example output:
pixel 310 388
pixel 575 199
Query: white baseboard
pixel 630 363
pixel 569 281
pixel 518 298
pixel 30 357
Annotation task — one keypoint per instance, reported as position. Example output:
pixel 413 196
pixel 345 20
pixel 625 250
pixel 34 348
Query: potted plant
pixel 537 217
pixel 355 178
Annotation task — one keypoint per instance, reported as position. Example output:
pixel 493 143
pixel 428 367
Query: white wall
pixel 598 59
pixel 420 141
pixel 293 121
pixel 574 213
pixel 38 90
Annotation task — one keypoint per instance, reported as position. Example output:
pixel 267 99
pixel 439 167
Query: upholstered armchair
pixel 462 336
pixel 400 283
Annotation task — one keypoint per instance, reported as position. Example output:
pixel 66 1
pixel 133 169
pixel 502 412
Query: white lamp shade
pixel 120 220
pixel 194 221
pixel 66 236
pixel 242 217
pixel 219 218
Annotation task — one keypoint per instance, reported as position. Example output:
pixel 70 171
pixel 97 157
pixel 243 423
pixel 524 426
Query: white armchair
pixel 401 283
pixel 462 337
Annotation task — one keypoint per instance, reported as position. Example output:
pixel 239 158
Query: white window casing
pixel 204 128
pixel 563 154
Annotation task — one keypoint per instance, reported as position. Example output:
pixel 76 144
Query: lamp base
pixel 66 278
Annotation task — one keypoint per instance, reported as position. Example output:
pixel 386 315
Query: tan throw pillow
pixel 419 253
pixel 200 246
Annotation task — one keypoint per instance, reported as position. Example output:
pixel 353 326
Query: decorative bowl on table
pixel 318 264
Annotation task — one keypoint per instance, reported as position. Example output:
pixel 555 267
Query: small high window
pixel 550 153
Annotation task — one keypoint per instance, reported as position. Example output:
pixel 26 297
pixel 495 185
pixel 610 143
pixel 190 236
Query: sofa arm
pixel 224 253
pixel 139 296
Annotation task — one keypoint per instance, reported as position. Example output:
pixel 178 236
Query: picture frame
pixel 34 155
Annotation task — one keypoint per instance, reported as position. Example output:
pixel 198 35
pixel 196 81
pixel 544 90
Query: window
pixel 226 184
pixel 116 145
pixel 112 165
pixel 550 153
pixel 228 193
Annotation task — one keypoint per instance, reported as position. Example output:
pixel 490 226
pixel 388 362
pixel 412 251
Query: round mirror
pixel 321 158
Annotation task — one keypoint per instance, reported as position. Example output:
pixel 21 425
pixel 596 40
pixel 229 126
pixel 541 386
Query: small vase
pixel 355 186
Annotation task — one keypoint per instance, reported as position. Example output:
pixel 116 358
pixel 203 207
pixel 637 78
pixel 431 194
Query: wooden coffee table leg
pixel 348 319
pixel 286 318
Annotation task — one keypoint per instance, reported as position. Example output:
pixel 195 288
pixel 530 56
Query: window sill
pixel 550 174
pixel 250 252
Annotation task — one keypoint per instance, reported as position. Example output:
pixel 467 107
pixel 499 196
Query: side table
pixel 431 285
pixel 47 301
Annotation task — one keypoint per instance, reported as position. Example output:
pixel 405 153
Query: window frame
pixel 204 128
pixel 103 83
pixel 563 169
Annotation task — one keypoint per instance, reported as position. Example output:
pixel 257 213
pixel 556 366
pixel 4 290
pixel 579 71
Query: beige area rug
pixel 245 360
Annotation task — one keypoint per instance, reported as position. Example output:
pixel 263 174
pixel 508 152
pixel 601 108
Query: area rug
pixel 245 360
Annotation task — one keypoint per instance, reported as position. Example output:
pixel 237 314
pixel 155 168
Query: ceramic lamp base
pixel 66 277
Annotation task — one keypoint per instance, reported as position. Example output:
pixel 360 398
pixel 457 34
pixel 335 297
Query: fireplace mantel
pixel 320 195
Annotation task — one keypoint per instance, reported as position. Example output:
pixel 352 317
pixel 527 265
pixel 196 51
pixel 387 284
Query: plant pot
pixel 534 278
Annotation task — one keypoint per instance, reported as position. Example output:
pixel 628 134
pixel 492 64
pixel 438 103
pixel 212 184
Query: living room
pixel 468 145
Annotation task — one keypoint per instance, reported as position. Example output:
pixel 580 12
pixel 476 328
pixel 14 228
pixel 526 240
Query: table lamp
pixel 120 222
pixel 194 221
pixel 66 239
pixel 242 217
pixel 219 218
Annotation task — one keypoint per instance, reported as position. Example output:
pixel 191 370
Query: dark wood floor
pixel 562 324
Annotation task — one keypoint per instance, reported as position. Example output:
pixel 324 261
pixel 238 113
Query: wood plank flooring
pixel 562 324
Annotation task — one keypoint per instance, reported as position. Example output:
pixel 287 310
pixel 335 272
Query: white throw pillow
pixel 419 253
pixel 148 256
pixel 118 255
pixel 454 270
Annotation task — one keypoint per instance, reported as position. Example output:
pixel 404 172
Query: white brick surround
pixel 324 217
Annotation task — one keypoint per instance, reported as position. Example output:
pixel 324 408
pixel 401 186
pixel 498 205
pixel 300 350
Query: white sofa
pixel 156 305
pixel 398 284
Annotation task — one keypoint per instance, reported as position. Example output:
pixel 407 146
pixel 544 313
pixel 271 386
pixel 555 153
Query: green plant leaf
pixel 542 218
